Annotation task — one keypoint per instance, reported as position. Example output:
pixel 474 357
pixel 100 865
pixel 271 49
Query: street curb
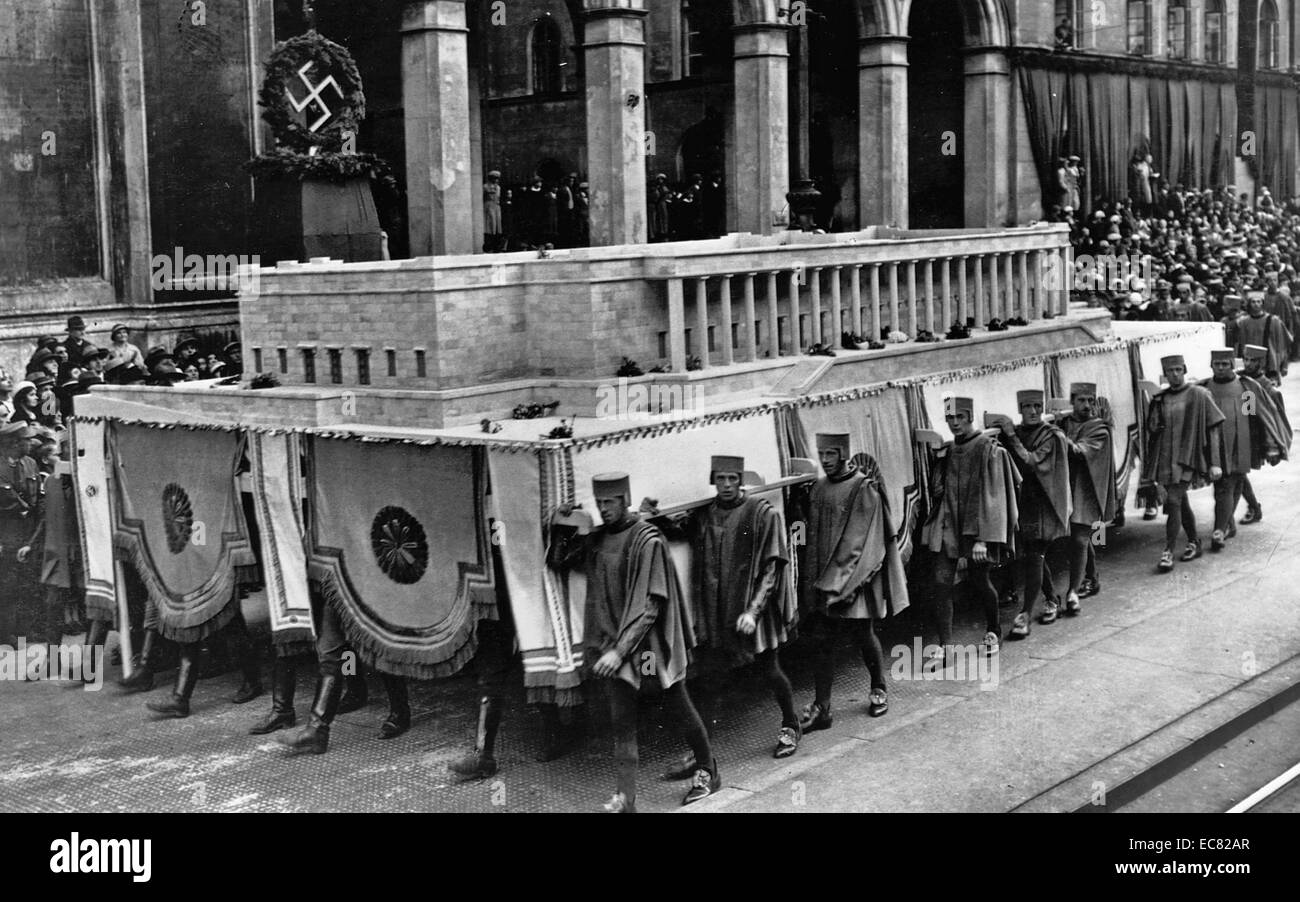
pixel 1146 763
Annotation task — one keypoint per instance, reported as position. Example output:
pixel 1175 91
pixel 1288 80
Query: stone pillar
pixel 882 132
pixel 614 50
pixel 122 147
pixel 759 167
pixel 435 98
pixel 988 137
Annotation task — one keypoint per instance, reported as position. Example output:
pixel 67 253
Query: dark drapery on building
pixel 1190 128
pixel 1044 93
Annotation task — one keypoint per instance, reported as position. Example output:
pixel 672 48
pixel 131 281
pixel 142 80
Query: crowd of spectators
pixel 1200 256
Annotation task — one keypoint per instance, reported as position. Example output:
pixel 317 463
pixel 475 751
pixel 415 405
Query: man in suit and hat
pixel 161 366
pixel 1184 452
pixel 850 572
pixel 186 352
pixel 741 600
pixel 76 342
pixel 1254 361
pixel 637 624
pixel 1041 454
pixel 1252 432
pixel 974 518
pixel 1094 497
pixel 121 351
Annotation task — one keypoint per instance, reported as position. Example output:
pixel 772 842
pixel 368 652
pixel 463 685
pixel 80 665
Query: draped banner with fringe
pixel 526 488
pixel 95 517
pixel 398 541
pixel 179 520
pixel 276 471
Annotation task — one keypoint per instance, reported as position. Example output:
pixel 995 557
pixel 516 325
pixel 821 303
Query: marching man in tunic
pixel 637 624
pixel 974 518
pixel 851 572
pixel 1183 453
pixel 1093 496
pixel 1251 433
pixel 743 609
pixel 1255 357
pixel 1264 330
pixel 1042 455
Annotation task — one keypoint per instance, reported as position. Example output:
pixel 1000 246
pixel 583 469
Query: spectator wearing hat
pixel 93 361
pixel 234 358
pixel 161 366
pixel 661 196
pixel 76 343
pixel 582 214
pixel 44 361
pixel 44 343
pixel 493 229
pixel 125 374
pixel 24 403
pixel 47 403
pixel 121 351
pixel 186 351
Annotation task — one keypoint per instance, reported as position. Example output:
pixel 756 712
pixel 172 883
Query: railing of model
pixel 808 294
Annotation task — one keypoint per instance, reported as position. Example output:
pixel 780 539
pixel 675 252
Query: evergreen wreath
pixel 330 59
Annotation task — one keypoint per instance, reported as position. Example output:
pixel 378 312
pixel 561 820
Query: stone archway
pixel 885 27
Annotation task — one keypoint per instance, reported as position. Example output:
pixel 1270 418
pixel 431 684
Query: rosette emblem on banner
pixel 180 522
pixel 399 543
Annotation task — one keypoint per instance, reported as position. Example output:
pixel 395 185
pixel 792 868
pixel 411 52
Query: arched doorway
pixel 936 111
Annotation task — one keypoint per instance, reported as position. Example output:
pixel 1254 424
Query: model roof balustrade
pixel 741 299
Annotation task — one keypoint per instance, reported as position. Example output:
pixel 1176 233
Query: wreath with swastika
pixel 327 90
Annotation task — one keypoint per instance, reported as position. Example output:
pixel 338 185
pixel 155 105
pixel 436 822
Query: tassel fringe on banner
pixel 413 663
pixel 235 583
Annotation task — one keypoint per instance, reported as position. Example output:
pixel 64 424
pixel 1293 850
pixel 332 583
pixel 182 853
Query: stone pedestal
pixel 986 166
pixel 882 132
pixel 435 97
pixel 760 161
pixel 614 49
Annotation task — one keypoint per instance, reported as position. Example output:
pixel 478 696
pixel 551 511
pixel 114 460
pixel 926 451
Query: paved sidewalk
pixel 1149 650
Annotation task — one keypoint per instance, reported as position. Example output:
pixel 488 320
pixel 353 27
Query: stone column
pixel 988 137
pixel 122 148
pixel 435 98
pixel 759 173
pixel 614 50
pixel 882 132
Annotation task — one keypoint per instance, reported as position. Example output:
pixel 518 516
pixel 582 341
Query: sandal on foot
pixel 1020 626
pixel 879 702
pixel 787 742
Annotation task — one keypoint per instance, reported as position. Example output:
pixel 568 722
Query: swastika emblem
pixel 314 96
